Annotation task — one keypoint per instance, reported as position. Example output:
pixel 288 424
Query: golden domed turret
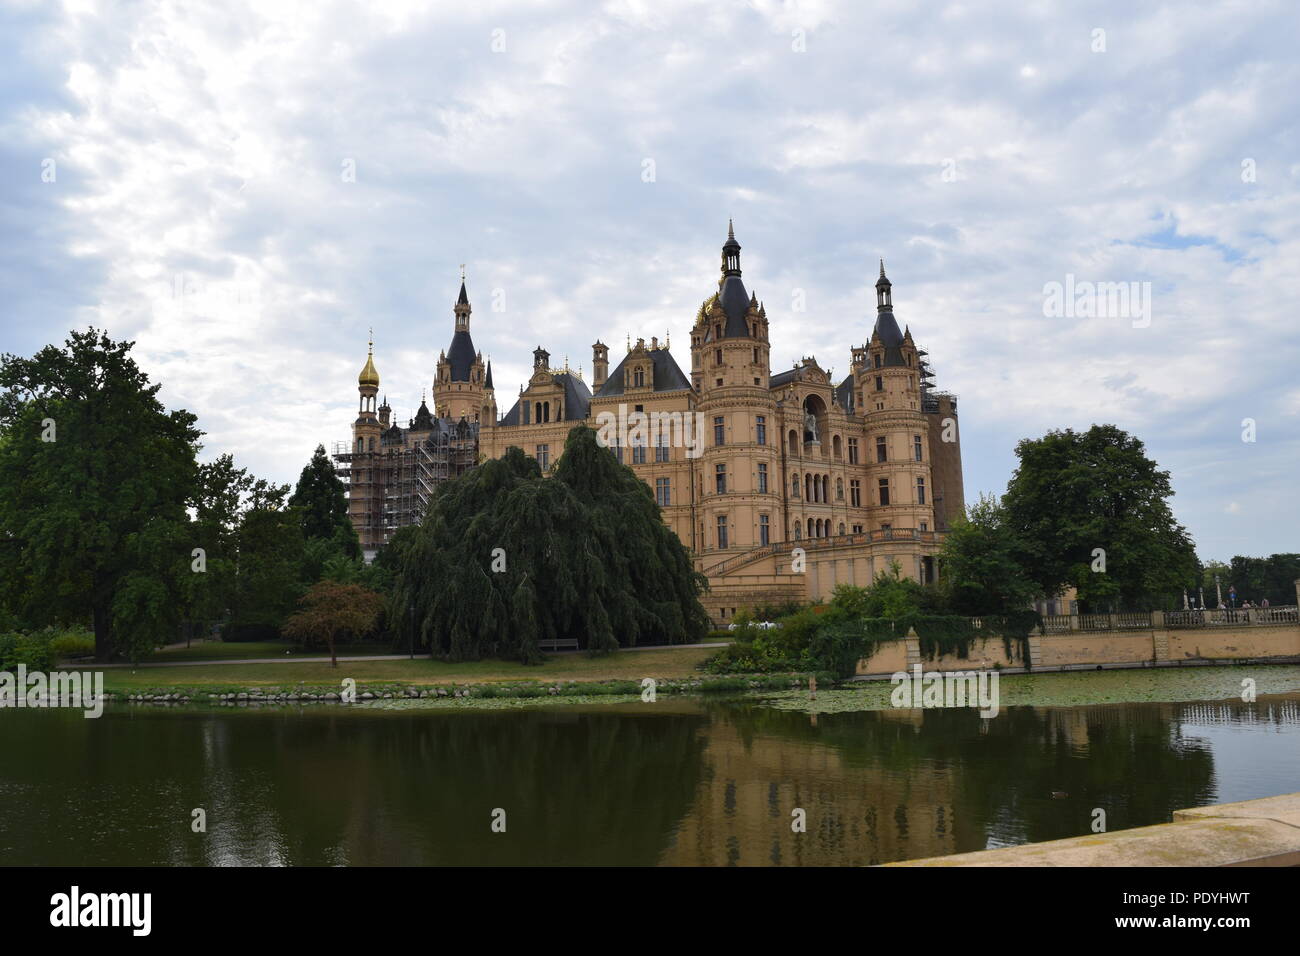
pixel 369 375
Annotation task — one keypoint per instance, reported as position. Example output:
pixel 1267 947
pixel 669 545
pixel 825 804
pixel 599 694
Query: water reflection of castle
pixel 894 785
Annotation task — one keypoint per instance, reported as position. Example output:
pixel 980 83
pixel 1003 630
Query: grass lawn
pixel 625 665
pixel 219 650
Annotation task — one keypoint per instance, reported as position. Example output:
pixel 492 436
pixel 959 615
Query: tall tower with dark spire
pixel 899 483
pixel 729 343
pixel 460 387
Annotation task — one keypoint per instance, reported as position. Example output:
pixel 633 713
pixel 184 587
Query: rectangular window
pixel 661 449
pixel 884 491
pixel 880 384
pixel 853 451
pixel 618 451
pixel 925 526
pixel 855 493
pixel 882 453
pixel 920 491
pixel 877 357
pixel 761 428
pixel 638 453
pixel 544 456
pixel 663 492
pixel 717 356
pixel 764 531
pixel 722 531
pixel 719 431
pixel 720 478
pixel 916 447
pixel 762 478
pixel 857 529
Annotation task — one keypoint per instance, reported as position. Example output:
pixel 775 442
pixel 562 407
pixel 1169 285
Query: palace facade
pixel 797 483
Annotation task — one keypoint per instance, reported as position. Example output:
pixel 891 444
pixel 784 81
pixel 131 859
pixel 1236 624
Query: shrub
pixel 33 650
pixel 72 643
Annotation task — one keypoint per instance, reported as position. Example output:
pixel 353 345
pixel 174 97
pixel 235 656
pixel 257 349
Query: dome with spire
pixel 369 376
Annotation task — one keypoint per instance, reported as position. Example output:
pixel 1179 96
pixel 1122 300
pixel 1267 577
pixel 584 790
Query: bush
pixel 33 650
pixel 72 643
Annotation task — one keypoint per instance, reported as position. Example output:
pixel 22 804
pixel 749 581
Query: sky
pixel 247 189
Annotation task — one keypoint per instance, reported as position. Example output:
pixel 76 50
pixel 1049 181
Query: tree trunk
pixel 103 637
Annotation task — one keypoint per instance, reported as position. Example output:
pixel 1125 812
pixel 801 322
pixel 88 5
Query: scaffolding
pixel 391 487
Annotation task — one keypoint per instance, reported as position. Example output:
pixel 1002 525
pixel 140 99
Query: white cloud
pixel 203 146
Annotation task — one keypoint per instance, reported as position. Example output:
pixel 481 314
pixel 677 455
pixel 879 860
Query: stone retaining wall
pixel 1101 649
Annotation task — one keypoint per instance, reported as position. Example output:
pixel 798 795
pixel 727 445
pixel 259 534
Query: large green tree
pixel 506 559
pixel 1091 510
pixel 95 477
pixel 270 553
pixel 1255 579
pixel 321 498
pixel 980 565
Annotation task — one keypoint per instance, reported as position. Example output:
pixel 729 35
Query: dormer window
pixel 638 378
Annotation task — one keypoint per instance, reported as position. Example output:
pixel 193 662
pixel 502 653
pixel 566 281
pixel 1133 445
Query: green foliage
pixel 330 612
pixel 586 555
pixel 890 595
pixel 981 570
pixel 1076 492
pixel 771 612
pixel 270 552
pixel 1273 577
pixel 321 499
pixel 72 642
pixel 33 650
pixel 92 520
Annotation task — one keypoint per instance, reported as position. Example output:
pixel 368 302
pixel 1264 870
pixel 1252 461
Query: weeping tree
pixel 506 559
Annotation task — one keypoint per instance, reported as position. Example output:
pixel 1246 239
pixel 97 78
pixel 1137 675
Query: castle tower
pixel 739 481
pixel 460 384
pixel 729 343
pixel 599 364
pixel 899 488
pixel 366 429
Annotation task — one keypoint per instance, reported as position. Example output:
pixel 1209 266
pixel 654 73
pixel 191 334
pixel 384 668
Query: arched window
pixel 841 527
pixel 794 486
pixel 361 444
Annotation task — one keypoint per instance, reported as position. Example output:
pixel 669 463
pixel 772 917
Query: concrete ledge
pixel 1262 832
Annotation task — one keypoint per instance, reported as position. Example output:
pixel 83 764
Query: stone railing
pixel 831 541
pixel 1233 617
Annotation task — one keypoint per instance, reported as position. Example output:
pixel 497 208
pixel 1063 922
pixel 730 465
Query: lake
pixel 677 782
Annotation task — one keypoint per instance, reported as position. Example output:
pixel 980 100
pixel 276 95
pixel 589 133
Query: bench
pixel 559 644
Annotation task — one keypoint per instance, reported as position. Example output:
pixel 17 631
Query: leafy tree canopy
pixel 330 611
pixel 1074 493
pixel 506 558
pixel 95 477
pixel 980 571
pixel 321 497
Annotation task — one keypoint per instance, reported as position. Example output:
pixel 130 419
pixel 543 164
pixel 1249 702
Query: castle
pixel 798 484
